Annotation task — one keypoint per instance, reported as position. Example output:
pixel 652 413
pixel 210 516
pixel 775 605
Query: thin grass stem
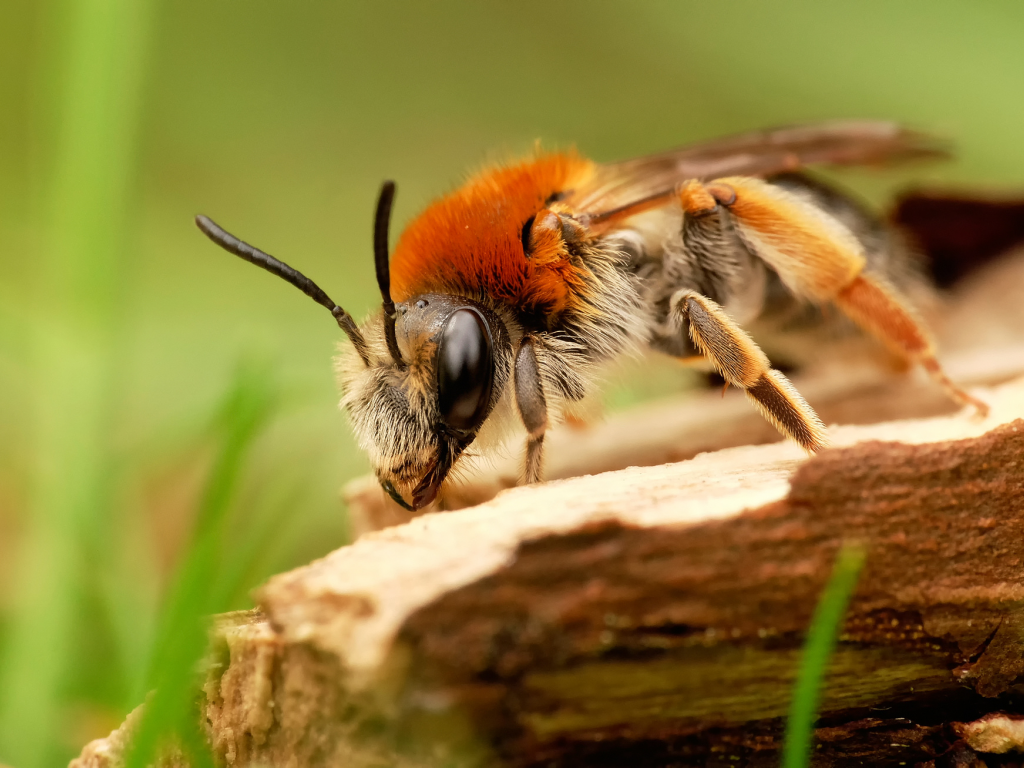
pixel 97 63
pixel 181 637
pixel 821 640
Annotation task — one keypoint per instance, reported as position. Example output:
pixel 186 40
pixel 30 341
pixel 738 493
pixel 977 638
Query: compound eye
pixel 465 370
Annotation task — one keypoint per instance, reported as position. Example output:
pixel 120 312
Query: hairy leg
pixel 818 258
pixel 533 408
pixel 878 309
pixel 742 363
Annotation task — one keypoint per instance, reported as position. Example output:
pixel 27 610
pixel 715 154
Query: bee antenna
pixel 381 225
pixel 253 255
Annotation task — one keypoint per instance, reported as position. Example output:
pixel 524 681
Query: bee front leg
pixel 532 406
pixel 742 363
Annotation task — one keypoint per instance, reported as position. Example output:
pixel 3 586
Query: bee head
pixel 420 377
pixel 415 418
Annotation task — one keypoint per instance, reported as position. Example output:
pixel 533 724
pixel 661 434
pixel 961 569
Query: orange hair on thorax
pixel 470 241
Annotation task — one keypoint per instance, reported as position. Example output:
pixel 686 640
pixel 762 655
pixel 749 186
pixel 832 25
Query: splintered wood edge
pixel 353 602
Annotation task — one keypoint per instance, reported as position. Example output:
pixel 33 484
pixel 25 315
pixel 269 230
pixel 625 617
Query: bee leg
pixel 878 309
pixel 742 363
pixel 532 406
pixel 819 259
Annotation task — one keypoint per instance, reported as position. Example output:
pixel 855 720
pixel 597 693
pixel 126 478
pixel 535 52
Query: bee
pixel 505 297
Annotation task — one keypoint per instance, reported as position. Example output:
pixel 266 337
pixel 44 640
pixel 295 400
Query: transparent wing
pixel 624 188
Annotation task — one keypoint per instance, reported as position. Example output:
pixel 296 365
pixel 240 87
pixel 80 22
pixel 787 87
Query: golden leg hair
pixel 878 309
pixel 818 258
pixel 742 363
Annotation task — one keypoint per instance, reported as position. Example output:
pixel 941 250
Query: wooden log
pixel 655 615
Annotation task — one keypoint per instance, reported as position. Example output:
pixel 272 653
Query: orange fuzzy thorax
pixel 470 241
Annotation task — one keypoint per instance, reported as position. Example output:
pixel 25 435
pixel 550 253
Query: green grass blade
pixel 97 63
pixel 818 648
pixel 181 637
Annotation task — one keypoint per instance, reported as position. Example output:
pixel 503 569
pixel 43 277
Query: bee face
pixel 416 419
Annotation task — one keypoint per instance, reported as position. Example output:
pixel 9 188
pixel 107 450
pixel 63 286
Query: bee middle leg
pixel 742 363
pixel 533 409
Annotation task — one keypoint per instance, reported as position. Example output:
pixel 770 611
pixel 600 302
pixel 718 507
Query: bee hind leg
pixel 533 409
pixel 742 363
pixel 819 259
pixel 878 309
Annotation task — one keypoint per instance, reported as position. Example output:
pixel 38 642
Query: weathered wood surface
pixel 654 616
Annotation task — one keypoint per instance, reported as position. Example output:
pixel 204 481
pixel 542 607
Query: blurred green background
pixel 127 341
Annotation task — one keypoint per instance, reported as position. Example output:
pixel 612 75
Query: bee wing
pixel 624 188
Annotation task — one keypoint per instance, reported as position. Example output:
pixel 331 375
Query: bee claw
pixel 981 408
pixel 389 489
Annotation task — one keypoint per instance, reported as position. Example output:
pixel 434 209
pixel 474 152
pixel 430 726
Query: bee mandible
pixel 506 296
